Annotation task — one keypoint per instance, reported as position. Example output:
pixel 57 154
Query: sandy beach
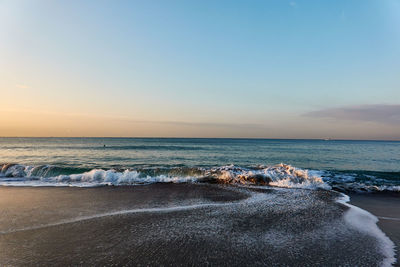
pixel 179 225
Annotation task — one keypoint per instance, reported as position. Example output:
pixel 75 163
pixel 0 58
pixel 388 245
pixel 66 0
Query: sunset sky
pixel 265 69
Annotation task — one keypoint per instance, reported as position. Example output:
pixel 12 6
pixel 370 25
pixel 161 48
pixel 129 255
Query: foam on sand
pixel 120 212
pixel 270 226
pixel 365 222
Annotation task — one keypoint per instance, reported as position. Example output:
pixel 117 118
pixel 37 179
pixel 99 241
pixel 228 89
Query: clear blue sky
pixel 282 69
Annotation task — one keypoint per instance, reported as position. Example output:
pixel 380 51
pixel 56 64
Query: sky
pixel 199 68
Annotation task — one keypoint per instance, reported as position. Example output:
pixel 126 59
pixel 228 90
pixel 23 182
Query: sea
pixel 197 202
pixel 341 165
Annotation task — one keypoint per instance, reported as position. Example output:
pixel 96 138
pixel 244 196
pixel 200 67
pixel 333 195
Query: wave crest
pixel 281 175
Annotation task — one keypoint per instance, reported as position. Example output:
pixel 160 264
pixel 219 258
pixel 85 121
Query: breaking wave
pixel 281 175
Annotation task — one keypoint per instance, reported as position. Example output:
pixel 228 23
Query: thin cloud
pixel 22 86
pixel 380 113
pixel 133 121
pixel 293 4
pixel 200 124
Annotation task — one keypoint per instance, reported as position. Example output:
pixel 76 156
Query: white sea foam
pixel 251 199
pixel 112 177
pixel 120 212
pixel 355 217
pixel 279 176
pixel 365 222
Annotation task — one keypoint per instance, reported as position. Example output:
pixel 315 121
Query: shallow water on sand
pixel 183 224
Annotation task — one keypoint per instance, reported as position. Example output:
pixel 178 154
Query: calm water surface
pixel 141 152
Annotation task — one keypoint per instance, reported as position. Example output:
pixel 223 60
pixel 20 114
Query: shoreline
pixel 386 207
pixel 183 224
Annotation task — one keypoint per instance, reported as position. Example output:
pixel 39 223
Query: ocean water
pixel 337 164
pixel 259 223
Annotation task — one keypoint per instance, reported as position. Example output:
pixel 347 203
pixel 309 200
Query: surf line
pixel 365 222
pixel 121 212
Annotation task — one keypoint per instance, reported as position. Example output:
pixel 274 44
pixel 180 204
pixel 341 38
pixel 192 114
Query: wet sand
pixel 385 206
pixel 179 225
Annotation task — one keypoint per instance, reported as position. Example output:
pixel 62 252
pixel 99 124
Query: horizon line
pixel 176 137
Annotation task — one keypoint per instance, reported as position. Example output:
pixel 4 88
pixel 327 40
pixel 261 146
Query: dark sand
pixel 179 225
pixel 385 206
